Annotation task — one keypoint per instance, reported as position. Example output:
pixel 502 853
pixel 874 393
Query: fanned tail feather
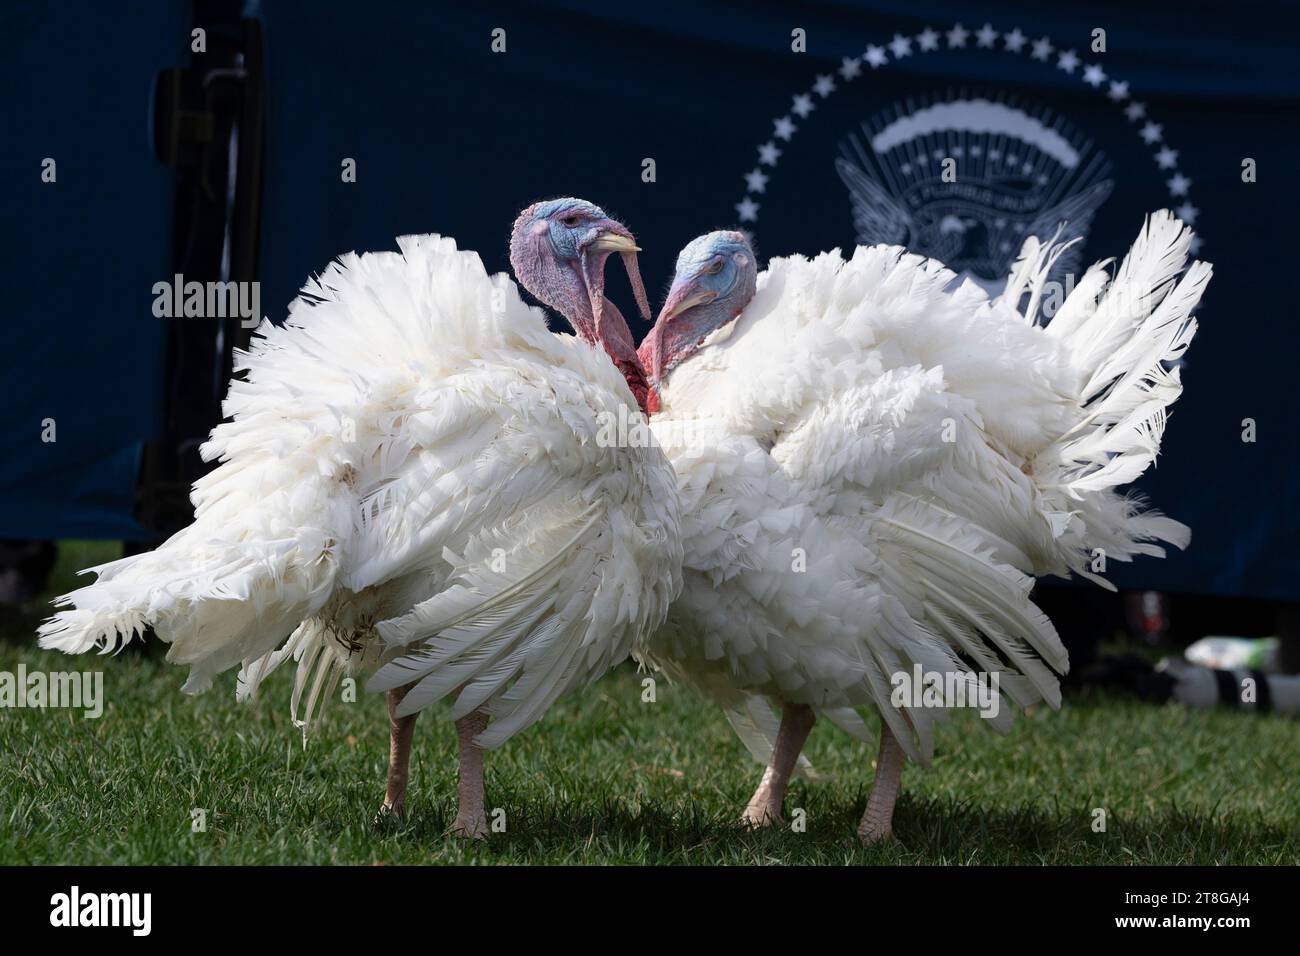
pixel 1124 340
pixel 219 599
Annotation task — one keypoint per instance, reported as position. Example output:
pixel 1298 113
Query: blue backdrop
pixel 81 255
pixel 449 136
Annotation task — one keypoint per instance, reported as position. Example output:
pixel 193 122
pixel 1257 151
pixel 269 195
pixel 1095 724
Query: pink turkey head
pixel 715 279
pixel 558 249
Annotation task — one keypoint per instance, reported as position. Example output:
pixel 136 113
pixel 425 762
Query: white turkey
pixel 874 465
pixel 412 483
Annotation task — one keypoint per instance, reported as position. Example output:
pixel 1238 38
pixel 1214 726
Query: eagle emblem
pixel 967 180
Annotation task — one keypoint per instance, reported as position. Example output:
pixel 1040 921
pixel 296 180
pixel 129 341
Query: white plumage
pixel 873 466
pixel 410 482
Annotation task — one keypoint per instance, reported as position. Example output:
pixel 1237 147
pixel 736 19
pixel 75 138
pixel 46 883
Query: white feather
pixel 410 482
pixel 925 452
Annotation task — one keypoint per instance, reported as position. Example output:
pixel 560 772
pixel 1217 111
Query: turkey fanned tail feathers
pixel 929 452
pixel 1122 339
pixel 411 482
pixel 228 588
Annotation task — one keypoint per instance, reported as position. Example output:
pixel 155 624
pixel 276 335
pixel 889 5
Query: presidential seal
pixel 965 179
pixel 1014 168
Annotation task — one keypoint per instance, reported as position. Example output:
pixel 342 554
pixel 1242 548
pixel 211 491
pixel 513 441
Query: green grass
pixel 605 778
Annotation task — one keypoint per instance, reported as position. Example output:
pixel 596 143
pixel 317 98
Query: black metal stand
pixel 208 125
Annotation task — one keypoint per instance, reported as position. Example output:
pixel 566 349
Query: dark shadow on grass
pixel 928 830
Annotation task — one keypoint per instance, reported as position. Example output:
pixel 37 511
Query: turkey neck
pixel 608 326
pixel 613 333
pixel 610 331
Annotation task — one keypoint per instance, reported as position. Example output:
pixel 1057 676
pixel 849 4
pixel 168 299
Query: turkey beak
pixel 613 236
pixel 684 294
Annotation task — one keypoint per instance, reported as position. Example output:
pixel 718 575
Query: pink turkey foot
pixel 401 730
pixel 878 821
pixel 467 826
pixel 471 820
pixel 764 807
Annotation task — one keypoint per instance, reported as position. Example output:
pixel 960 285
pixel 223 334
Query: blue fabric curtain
pixel 452 137
pixel 449 136
pixel 83 352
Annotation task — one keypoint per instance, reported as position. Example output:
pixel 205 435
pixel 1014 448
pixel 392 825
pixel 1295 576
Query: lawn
pixel 605 778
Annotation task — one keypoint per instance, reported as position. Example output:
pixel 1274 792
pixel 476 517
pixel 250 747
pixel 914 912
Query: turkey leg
pixel 877 822
pixel 400 732
pixel 764 806
pixel 471 821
